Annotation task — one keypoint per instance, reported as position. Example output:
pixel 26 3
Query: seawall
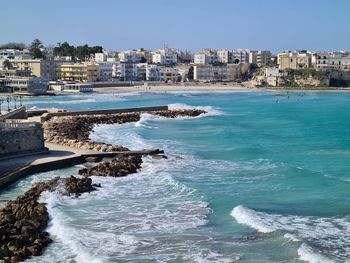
pixel 47 116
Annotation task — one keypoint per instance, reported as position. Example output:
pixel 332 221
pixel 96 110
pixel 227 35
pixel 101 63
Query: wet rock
pixel 23 221
pixel 116 167
pixel 74 131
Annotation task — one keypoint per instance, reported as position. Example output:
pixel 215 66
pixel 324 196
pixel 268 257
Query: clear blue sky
pixel 189 24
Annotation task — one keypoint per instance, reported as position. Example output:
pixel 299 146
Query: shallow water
pixel 260 178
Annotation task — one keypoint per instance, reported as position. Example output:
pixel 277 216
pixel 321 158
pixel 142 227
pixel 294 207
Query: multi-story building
pixel 165 56
pixel 100 57
pixel 212 56
pixel 294 60
pixel 331 60
pixel 49 69
pixel 106 70
pixel 32 85
pixel 132 56
pixel 206 56
pixel 12 73
pixel 227 72
pixel 260 58
pixel 80 72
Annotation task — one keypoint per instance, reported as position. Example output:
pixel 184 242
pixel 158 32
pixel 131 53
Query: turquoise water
pixel 262 177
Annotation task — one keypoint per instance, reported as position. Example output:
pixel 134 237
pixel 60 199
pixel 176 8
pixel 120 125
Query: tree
pixel 13 45
pixel 6 64
pixel 64 50
pixel 35 49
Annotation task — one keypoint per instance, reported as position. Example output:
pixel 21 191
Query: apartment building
pixel 331 60
pixel 260 57
pixel 80 72
pixel 165 56
pixel 229 72
pixel 206 56
pixel 213 56
pixel 33 85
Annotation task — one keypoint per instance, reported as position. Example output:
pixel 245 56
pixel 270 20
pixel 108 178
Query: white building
pixel 331 60
pixel 229 72
pixel 206 56
pixel 212 56
pixel 31 85
pixel 100 57
pixel 165 56
pixel 132 56
pixel 260 58
pixel 106 70
pixel 130 71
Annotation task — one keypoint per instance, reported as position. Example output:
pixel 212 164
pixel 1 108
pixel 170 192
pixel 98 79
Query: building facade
pixel 33 85
pixel 294 60
pixel 80 72
pixel 229 72
pixel 331 60
pixel 260 57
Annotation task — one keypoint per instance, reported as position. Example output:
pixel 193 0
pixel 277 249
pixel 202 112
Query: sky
pixel 275 25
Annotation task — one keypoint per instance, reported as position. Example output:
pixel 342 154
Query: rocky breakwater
pixel 23 221
pixel 116 167
pixel 74 131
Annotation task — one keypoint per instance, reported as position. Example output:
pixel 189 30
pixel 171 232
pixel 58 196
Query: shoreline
pixel 207 88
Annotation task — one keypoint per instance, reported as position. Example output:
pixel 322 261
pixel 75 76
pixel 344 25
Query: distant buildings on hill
pixel 165 64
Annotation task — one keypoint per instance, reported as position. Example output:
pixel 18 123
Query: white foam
pixel 250 218
pixel 318 235
pixel 307 254
pixel 211 111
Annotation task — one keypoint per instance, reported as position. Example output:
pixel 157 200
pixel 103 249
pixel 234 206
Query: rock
pixel 22 221
pixel 116 167
pixel 93 159
pixel 75 130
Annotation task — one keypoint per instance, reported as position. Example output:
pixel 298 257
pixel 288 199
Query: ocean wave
pixel 323 240
pixel 211 111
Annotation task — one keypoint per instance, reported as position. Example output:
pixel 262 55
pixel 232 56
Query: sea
pixel 264 176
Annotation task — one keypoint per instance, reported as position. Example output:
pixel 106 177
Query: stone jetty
pixel 117 167
pixel 23 221
pixel 74 131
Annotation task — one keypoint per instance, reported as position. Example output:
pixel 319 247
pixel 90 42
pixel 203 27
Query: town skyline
pixel 115 25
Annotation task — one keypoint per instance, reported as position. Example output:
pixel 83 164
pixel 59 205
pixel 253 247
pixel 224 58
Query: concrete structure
pixel 132 56
pixel 331 60
pixel 9 53
pixel 78 87
pixel 294 60
pixel 32 85
pixel 12 73
pixel 19 113
pixel 223 56
pixel 47 116
pixel 100 57
pixel 80 72
pixel 206 56
pixel 229 72
pixel 165 56
pixel 20 137
pixel 106 70
pixel 260 58
pixel 49 69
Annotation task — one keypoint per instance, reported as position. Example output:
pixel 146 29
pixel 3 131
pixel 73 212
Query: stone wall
pixel 19 113
pixel 20 138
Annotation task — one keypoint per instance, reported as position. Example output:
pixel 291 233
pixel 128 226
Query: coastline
pixel 211 88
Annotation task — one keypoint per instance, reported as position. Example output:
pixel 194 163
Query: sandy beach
pixel 165 88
